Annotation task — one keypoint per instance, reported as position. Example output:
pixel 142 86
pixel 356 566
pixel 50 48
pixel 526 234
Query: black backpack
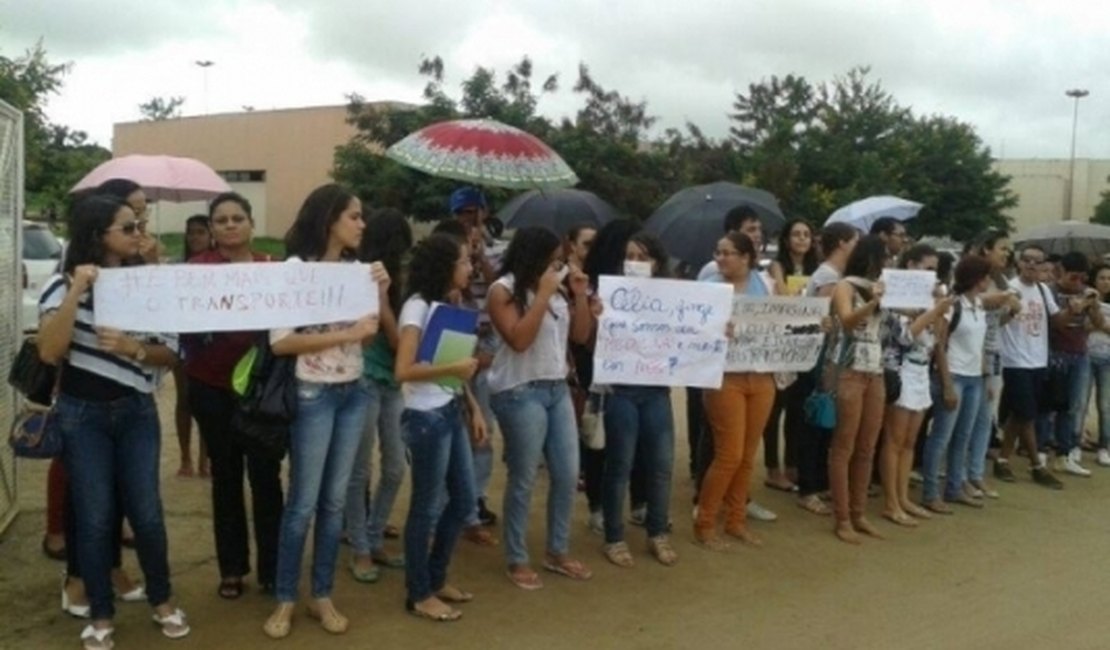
pixel 269 404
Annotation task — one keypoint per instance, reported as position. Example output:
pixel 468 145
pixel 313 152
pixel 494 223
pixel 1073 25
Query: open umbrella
pixel 163 178
pixel 483 152
pixel 1091 239
pixel 692 220
pixel 557 210
pixel 865 212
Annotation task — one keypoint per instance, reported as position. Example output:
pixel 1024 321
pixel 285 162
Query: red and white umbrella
pixel 163 178
pixel 483 152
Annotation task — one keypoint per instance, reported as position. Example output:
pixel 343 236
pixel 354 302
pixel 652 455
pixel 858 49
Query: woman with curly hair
pixel 534 312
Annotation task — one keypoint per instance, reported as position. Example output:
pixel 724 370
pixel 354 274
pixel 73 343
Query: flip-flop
pixel 230 589
pixel 447 617
pixel 529 581
pixel 902 519
pixel 452 594
pixel 572 569
pixel 388 561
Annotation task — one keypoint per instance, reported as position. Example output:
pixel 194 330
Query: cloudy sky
pixel 1002 65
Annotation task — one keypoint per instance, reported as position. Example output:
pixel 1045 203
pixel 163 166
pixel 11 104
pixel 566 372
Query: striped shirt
pixel 84 353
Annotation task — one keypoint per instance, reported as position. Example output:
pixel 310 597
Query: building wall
pixel 294 147
pixel 1042 187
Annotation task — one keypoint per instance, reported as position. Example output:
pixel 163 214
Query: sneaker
pixel 1104 458
pixel 485 516
pixel 638 516
pixel 596 523
pixel 1072 466
pixel 1042 459
pixel 759 513
pixel 1003 472
pixel 1041 476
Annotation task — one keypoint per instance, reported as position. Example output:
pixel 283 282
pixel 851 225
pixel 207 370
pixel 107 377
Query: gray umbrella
pixel 1062 237
pixel 692 220
pixel 557 210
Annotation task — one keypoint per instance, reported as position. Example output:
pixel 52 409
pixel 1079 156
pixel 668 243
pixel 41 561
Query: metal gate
pixel 11 292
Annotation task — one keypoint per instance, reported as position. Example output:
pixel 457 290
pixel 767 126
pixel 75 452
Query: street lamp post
pixel 204 65
pixel 1076 94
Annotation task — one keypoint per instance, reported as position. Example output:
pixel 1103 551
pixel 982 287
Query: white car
pixel 42 252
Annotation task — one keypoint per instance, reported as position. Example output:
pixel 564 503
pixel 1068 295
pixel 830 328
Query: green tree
pixel 1102 210
pixel 161 108
pixel 56 156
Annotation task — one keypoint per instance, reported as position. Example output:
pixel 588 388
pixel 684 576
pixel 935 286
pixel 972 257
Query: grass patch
pixel 175 245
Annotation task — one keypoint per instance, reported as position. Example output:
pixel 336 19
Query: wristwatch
pixel 140 353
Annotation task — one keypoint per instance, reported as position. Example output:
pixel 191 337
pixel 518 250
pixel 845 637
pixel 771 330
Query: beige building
pixel 274 158
pixel 1042 189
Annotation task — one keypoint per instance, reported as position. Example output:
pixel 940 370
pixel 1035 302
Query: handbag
pixel 35 433
pixel 268 404
pixel 820 406
pixel 892 379
pixel 592 429
pixel 30 375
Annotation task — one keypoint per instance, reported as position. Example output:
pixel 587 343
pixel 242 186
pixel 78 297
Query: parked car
pixel 42 252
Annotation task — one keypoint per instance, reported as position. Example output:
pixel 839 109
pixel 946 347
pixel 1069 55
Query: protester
pixel 892 232
pixel 209 363
pixel 1098 346
pixel 198 240
pixel 579 240
pixel 107 416
pixel 332 401
pixel 534 315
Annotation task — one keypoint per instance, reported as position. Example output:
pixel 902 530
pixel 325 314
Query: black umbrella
pixel 558 210
pixel 693 219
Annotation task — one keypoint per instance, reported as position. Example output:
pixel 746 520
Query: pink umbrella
pixel 163 178
pixel 483 152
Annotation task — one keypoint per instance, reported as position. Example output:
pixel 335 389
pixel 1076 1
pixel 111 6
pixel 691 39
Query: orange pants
pixel 860 403
pixel 737 414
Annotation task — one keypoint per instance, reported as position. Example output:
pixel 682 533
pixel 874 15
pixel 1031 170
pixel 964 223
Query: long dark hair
pixel 88 222
pixel 867 259
pixel 653 246
pixel 786 259
pixel 121 188
pixel 387 239
pixel 432 267
pixel 606 256
pixel 307 238
pixel 527 258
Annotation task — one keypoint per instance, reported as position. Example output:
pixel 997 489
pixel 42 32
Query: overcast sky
pixel 1002 65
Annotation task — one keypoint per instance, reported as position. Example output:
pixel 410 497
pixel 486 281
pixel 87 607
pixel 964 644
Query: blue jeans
pixel 109 446
pixel 950 434
pixel 1100 375
pixel 483 456
pixel 323 441
pixel 982 429
pixel 439 445
pixel 366 522
pixel 537 422
pixel 1063 426
pixel 637 418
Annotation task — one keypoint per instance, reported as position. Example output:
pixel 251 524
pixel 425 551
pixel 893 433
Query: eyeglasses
pixel 129 228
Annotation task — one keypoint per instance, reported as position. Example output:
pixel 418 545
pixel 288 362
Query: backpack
pixel 268 404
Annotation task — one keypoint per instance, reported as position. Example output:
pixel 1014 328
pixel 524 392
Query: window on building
pixel 243 175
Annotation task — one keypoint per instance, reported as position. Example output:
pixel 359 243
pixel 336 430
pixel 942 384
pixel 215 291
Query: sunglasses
pixel 129 228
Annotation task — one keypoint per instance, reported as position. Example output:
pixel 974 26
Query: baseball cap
pixel 467 197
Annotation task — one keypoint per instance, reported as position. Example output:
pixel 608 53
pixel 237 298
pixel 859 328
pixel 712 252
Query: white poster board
pixel 904 289
pixel 232 297
pixel 776 334
pixel 661 332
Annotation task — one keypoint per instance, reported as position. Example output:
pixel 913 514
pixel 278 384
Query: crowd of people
pixel 1009 353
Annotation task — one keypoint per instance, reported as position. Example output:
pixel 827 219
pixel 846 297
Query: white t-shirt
pixel 545 359
pixel 1098 342
pixel 966 342
pixel 1025 337
pixel 421 395
pixel 822 277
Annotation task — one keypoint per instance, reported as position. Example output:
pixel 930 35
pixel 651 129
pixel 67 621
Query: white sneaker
pixel 759 513
pixel 1104 457
pixel 596 523
pixel 1072 466
pixel 1042 459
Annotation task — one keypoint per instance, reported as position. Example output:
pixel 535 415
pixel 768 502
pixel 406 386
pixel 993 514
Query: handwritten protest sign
pixel 775 334
pixel 908 289
pixel 232 297
pixel 661 332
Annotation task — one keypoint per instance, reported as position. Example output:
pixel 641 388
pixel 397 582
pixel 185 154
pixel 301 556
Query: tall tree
pixel 158 109
pixel 1102 210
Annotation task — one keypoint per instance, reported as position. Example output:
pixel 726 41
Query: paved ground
pixel 1027 572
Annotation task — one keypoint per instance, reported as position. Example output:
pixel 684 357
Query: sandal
pixel 660 547
pixel 900 518
pixel 813 503
pixel 381 558
pixel 53 553
pixel 711 542
pixel 174 625
pixel 781 486
pixel 937 507
pixel 449 616
pixel 452 594
pixel 565 566
pixel 331 620
pixel 230 588
pixel 366 575
pixel 280 622
pixel 391 532
pixel 97 638
pixel 479 536
pixel 618 554
pixel 525 578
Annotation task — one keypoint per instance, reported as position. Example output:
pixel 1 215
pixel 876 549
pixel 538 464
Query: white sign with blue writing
pixel 661 332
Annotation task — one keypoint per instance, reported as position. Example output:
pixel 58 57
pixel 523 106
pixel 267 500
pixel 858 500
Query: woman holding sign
pixel 737 413
pixel 434 427
pixel 332 400
pixel 107 417
pixel 534 314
